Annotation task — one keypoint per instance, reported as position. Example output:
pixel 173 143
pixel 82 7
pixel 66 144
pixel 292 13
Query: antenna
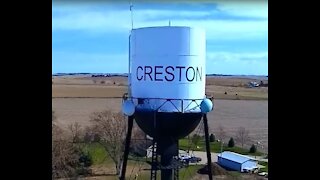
pixel 129 74
pixel 131 6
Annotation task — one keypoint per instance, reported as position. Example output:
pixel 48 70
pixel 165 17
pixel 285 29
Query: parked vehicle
pixel 263 174
pixel 194 159
pixel 184 157
pixel 187 158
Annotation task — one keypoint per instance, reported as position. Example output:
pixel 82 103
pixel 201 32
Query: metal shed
pixel 238 162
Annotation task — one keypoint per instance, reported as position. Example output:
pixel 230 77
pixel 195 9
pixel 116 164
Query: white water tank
pixel 168 63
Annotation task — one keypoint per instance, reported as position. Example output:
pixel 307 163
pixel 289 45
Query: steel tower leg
pixel 176 169
pixel 127 147
pixel 206 132
pixel 176 174
pixel 154 158
pixel 168 148
pixel 154 161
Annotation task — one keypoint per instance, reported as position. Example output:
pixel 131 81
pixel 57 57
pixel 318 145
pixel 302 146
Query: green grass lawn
pixel 234 174
pixel 97 153
pixel 188 172
pixel 215 147
pixel 184 173
pixel 265 169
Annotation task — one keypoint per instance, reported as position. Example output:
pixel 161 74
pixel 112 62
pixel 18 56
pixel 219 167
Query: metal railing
pixel 164 101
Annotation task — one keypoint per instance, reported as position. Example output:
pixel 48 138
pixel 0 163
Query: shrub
pixel 85 159
pixel 231 143
pixel 253 149
pixel 212 138
pixel 196 139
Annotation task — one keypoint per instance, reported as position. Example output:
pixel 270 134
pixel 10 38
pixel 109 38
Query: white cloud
pixel 235 57
pixel 109 20
pixel 91 21
pixel 219 29
pixel 249 8
pixel 89 62
pixel 80 56
pixel 237 63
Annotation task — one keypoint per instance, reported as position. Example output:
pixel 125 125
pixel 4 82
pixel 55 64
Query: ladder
pixel 154 161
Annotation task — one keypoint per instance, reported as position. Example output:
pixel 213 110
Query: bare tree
pixel 242 136
pixel 65 158
pixel 221 133
pixel 76 131
pixel 111 128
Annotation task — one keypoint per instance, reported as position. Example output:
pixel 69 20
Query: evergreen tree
pixel 231 143
pixel 253 149
pixel 212 138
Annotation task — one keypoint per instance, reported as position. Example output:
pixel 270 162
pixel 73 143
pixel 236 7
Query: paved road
pixel 214 157
pixel 259 158
pixel 203 156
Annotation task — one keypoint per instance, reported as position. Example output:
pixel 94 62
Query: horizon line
pixel 128 73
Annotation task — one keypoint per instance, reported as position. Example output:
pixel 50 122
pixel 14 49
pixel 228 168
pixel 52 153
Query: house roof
pixel 239 158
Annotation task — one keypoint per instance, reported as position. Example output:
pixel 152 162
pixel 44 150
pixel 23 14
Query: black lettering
pixel 187 74
pixel 200 74
pixel 137 73
pixel 169 73
pixel 155 73
pixel 145 72
pixel 180 67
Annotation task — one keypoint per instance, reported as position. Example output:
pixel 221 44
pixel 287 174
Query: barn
pixel 238 162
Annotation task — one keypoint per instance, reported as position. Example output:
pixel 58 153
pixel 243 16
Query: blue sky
pixel 93 37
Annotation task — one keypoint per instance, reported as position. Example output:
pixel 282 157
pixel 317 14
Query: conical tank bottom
pixel 174 125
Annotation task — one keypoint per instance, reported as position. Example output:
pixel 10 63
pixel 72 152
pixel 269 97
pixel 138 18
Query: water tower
pixel 166 94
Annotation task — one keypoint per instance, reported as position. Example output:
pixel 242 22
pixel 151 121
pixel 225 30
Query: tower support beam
pixel 127 147
pixel 206 132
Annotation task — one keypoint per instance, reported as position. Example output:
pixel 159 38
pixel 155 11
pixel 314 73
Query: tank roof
pixel 163 27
